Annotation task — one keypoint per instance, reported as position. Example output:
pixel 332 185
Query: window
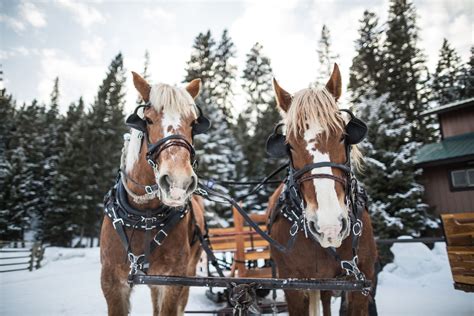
pixel 462 178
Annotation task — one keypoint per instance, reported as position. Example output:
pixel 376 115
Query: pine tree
pixel 62 222
pixel 391 110
pixel 217 149
pixel 446 87
pixel 7 130
pixel 365 71
pixel 145 73
pixel 406 75
pixel 255 123
pixel 103 129
pixel 326 57
pixel 466 78
pixel 225 74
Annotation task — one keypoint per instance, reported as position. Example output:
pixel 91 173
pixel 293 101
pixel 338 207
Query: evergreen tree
pixel 103 130
pixel 466 78
pixel 391 110
pixel 406 75
pixel 8 230
pixel 255 123
pixel 225 74
pixel 217 150
pixel 70 196
pixel 145 73
pixel 326 57
pixel 365 71
pixel 446 87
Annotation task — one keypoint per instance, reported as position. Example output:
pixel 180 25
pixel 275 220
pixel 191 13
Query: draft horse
pixel 320 205
pixel 152 217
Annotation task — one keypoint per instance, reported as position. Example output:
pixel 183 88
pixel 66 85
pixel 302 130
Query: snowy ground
pixel 417 283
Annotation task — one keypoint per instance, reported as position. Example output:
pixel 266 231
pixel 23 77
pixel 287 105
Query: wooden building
pixel 448 165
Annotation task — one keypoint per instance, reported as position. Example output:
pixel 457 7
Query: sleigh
pixel 459 233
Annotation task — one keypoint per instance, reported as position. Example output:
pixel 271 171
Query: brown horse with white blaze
pixel 169 174
pixel 315 134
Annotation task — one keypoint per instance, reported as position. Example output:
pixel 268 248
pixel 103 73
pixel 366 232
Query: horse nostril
pixel 165 182
pixel 192 184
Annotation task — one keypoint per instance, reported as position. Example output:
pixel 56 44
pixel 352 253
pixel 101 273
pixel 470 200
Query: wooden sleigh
pixel 459 233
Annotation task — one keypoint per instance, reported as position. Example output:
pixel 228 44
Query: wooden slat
pixel 256 255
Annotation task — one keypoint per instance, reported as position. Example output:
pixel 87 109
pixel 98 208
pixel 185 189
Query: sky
pixel 76 40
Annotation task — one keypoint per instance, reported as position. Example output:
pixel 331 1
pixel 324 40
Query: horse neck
pixel 142 173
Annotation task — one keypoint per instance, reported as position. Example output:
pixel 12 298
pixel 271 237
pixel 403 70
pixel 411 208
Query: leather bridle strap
pixel 155 149
pixel 298 173
pixel 322 176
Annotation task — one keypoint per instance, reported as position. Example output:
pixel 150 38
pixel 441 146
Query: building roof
pixel 452 147
pixel 449 107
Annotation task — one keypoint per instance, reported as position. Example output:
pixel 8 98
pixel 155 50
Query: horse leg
pixel 297 303
pixel 156 296
pixel 116 293
pixel 174 300
pixel 358 304
pixel 326 300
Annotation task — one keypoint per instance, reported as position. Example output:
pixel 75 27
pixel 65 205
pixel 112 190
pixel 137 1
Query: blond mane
pixel 168 99
pixel 317 105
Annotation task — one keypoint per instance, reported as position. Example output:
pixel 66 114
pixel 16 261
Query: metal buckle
pixel 357 228
pixel 294 229
pixel 160 232
pixel 117 220
pixel 148 189
pixel 134 265
pixel 201 191
pixel 152 163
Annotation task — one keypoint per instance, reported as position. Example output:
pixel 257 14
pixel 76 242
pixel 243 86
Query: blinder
pixel 356 129
pixel 277 147
pixel 200 126
pixel 135 121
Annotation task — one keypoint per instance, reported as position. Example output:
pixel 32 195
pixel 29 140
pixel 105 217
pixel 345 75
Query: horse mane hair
pixel 166 98
pixel 317 105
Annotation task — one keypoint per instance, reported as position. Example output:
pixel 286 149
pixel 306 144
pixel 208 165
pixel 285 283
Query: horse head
pixel 316 133
pixel 168 121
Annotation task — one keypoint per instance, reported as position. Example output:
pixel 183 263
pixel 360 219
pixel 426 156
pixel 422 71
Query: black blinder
pixel 276 145
pixel 202 124
pixel 135 121
pixel 356 130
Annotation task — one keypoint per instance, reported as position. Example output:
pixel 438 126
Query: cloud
pixel 84 14
pixel 76 79
pixel 30 13
pixel 12 23
pixel 159 14
pixel 93 48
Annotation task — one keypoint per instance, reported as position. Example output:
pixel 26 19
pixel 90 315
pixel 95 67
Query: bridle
pixel 154 150
pixel 291 204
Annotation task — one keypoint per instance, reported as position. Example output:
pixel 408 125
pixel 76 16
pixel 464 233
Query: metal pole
pixel 267 283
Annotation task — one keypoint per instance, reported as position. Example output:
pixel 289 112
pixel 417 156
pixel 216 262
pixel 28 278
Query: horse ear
pixel 334 84
pixel 142 86
pixel 283 98
pixel 194 87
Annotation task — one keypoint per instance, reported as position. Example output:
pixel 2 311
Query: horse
pixel 320 140
pixel 153 216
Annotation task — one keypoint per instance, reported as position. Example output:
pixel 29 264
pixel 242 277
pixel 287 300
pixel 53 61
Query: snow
pixel 418 282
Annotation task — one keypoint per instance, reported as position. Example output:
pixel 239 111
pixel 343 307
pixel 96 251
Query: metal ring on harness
pixel 357 228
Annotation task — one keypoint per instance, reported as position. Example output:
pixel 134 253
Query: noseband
pixel 155 149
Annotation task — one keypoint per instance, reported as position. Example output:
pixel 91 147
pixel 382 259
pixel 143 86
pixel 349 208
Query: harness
pixel 162 219
pixel 123 216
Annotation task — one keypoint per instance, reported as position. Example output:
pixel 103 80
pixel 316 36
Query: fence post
pixel 32 257
pixel 39 255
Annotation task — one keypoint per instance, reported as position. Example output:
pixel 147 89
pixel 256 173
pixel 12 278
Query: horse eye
pixel 148 120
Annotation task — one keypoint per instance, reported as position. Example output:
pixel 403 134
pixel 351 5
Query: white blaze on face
pixel 329 208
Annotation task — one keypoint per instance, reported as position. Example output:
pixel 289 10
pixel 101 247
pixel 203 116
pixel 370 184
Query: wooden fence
pixel 20 255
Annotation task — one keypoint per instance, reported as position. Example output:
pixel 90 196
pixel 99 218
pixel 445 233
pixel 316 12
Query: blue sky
pixel 76 40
